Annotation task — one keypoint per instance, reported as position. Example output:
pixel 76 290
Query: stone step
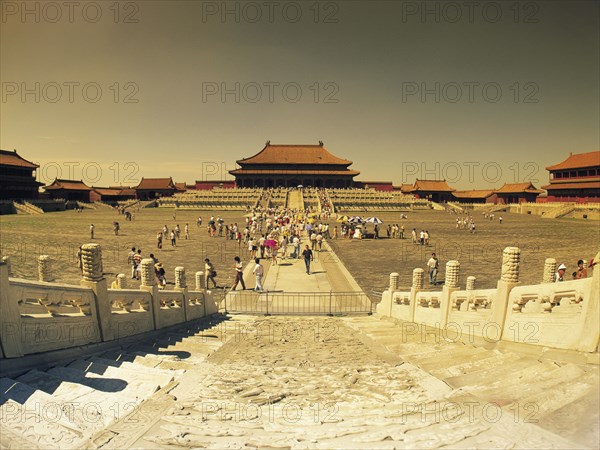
pixel 60 389
pixel 531 381
pixel 577 420
pixel 447 356
pixel 34 400
pixel 138 374
pixel 560 395
pixel 119 384
pixel 490 375
pixel 138 367
pixel 481 361
pixel 90 409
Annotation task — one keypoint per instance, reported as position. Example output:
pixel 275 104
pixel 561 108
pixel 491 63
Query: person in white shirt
pixel 560 273
pixel 433 265
pixel 258 272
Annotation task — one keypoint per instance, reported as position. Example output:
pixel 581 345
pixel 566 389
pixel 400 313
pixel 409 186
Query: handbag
pixel 213 273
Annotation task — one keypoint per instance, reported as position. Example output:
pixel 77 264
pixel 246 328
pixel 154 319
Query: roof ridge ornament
pixel 321 143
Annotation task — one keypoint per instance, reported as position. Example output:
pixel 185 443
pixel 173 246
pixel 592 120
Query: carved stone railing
pixel 561 315
pixel 39 316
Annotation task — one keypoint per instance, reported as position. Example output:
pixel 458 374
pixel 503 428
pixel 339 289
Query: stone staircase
pixel 75 404
pixel 85 205
pixel 295 200
pixel 561 397
pixel 27 208
pixel 558 212
pixel 102 204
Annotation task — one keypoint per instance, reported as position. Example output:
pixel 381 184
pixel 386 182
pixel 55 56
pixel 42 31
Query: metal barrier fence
pixel 296 303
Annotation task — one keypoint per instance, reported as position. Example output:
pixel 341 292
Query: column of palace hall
pixel 294 165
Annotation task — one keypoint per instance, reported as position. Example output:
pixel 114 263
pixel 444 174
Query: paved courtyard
pixel 23 238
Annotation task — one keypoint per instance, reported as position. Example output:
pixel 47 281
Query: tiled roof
pixel 582 185
pixel 578 161
pixel 156 183
pixel 473 194
pixel 181 186
pixel 67 185
pixel 293 172
pixel 518 188
pixel 115 191
pixel 294 154
pixel 432 186
pixel 8 158
pixel 406 187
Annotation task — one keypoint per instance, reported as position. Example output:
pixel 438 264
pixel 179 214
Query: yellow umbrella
pixel 311 220
pixel 342 219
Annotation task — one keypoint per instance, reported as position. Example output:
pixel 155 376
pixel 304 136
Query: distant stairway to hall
pixel 295 199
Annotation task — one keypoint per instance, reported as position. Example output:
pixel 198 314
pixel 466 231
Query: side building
pixel 294 165
pixel 576 179
pixel 74 190
pixel 517 193
pixel 153 188
pixel 17 177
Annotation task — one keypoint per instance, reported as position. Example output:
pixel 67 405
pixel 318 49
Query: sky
pixel 478 93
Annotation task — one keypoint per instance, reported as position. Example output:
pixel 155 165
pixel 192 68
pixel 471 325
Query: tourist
pixel 209 273
pixel 159 238
pixel 187 231
pixel 319 241
pixel 401 232
pixel 160 274
pixel 92 231
pixel 252 248
pixel 308 257
pixel 296 243
pixel 258 272
pixel 138 263
pixel 560 273
pixel 173 239
pixel 422 237
pixel 335 232
pixel 166 231
pixel 131 261
pixel 199 222
pixel 80 258
pixel 313 241
pixel 581 270
pixel 261 245
pixel 389 231
pixel 427 237
pixel 177 231
pixel 414 236
pixel 239 273
pixel 376 232
pixel 274 250
pixel 433 265
pixel 116 228
pixel 115 282
pixel 500 220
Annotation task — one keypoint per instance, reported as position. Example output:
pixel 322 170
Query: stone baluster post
pixel 148 278
pixel 44 268
pixel 93 277
pixel 450 285
pixel 200 281
pixel 417 285
pixel 468 305
pixel 384 307
pixel 10 318
pixel 511 259
pixel 121 281
pixel 181 286
pixel 549 270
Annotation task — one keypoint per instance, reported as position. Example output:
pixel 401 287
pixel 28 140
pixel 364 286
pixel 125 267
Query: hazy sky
pixel 476 92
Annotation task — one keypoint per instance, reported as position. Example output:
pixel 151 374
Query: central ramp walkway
pixel 295 200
